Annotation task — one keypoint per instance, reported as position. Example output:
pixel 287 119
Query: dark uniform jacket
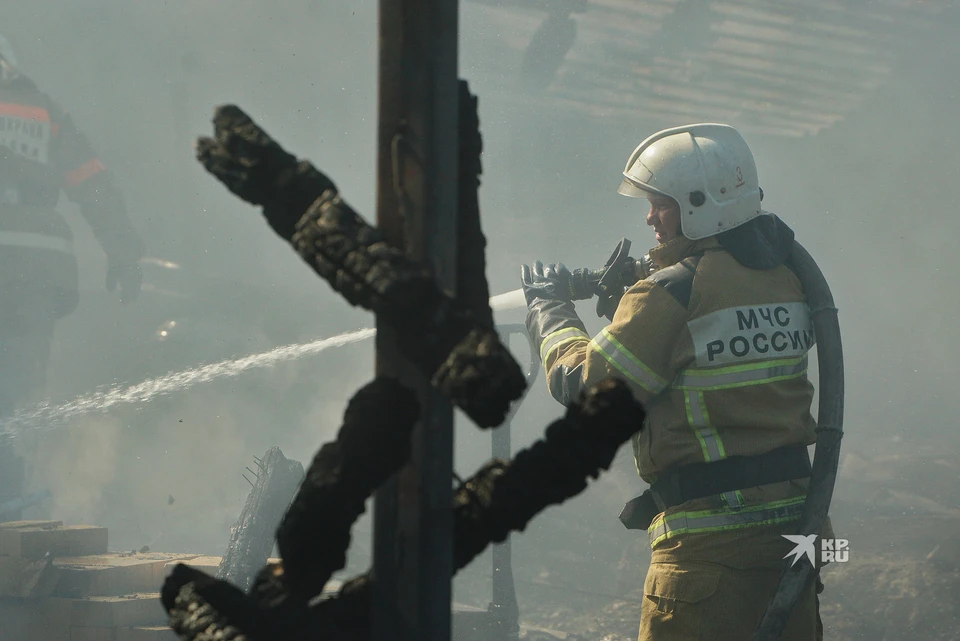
pixel 42 153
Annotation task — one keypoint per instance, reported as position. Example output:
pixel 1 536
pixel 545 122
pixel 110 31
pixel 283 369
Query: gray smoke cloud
pixel 849 110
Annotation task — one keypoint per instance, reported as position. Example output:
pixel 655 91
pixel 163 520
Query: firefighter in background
pixel 714 342
pixel 41 154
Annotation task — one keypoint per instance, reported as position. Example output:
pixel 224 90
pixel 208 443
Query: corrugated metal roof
pixel 791 67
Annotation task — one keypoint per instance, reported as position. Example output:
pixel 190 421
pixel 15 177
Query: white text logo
pixel 831 550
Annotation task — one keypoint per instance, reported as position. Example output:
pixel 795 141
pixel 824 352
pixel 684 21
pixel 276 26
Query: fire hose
pixel 610 282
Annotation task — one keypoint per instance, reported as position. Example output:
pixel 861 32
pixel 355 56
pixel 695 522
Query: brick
pixel 9 575
pixel 92 634
pixel 83 540
pixel 143 609
pixel 114 574
pixel 155 633
pixel 38 578
pixel 55 622
pixel 208 564
pixel 29 543
pixel 34 542
pixel 15 525
pixel 17 616
pixel 34 620
pixel 26 577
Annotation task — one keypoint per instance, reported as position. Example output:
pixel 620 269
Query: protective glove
pixel 551 282
pixel 128 276
pixel 550 292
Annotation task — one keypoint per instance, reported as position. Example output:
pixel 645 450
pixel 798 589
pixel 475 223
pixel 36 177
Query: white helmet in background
pixel 6 52
pixel 707 168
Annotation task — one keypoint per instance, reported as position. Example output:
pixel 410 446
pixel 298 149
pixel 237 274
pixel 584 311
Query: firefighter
pixel 714 341
pixel 41 154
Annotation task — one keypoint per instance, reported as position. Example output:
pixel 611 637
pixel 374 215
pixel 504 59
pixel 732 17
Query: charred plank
pixel 373 443
pixel 502 497
pixel 303 206
pixel 472 289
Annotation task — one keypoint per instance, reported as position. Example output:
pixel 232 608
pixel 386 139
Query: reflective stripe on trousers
pixel 35 241
pixel 667 527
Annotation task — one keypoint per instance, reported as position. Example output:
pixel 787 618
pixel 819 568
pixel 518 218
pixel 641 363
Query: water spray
pixel 46 416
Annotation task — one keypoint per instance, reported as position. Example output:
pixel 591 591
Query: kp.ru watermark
pixel 831 550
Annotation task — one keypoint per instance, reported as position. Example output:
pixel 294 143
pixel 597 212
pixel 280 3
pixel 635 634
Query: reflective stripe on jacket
pixel 43 154
pixel 721 367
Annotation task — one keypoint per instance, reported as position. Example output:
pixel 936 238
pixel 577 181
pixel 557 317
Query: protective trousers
pixel 697 600
pixel 26 333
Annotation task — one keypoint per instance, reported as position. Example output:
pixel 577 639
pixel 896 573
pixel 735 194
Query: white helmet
pixel 6 52
pixel 707 168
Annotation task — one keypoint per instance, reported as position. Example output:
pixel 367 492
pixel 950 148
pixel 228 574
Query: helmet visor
pixel 633 188
pixel 628 188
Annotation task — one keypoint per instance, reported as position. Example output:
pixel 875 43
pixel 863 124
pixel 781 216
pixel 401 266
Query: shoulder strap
pixel 678 279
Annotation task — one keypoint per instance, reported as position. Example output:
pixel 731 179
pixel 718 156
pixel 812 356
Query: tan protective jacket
pixel 723 374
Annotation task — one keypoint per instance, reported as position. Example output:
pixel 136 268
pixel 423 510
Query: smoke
pixel 78 466
pixel 849 109
pixel 141 81
pixel 166 470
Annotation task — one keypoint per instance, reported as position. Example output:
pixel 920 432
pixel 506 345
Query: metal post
pixel 504 605
pixel 416 209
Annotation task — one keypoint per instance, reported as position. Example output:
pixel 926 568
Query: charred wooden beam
pixel 502 497
pixel 451 342
pixel 417 201
pixel 202 608
pixel 190 615
pixel 472 289
pixel 314 535
pixel 372 445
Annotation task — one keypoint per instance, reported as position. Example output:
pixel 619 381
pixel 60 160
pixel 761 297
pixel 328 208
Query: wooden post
pixel 417 210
